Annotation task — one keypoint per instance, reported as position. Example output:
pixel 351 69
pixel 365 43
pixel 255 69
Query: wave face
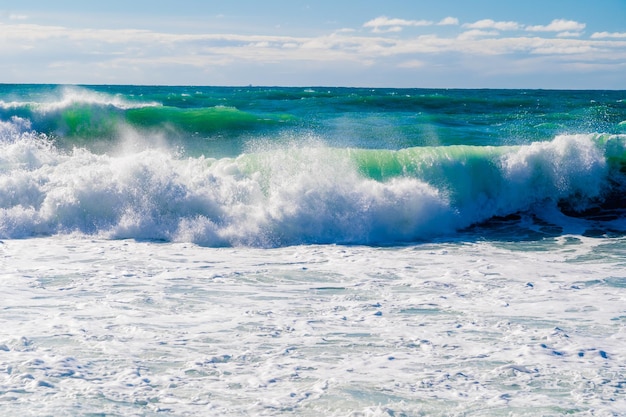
pixel 158 163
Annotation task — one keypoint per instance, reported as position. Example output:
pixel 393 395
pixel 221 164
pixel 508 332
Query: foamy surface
pixel 121 327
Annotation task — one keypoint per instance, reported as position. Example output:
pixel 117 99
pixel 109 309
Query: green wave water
pixel 343 117
pixel 280 166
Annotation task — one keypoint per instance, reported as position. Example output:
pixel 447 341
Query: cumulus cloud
pixel 92 49
pixel 569 34
pixel 558 25
pixel 448 21
pixel 491 24
pixel 605 35
pixel 341 44
pixel 385 24
pixel 476 33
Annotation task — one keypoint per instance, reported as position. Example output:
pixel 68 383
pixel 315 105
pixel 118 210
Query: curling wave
pixel 296 194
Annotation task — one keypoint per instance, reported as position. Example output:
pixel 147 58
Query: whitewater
pixel 322 251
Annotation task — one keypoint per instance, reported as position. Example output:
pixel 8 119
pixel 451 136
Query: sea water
pixel 322 251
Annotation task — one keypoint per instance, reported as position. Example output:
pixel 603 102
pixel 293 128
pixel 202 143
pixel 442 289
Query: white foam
pixel 71 95
pixel 283 196
pixel 568 165
pixel 123 327
pixel 289 196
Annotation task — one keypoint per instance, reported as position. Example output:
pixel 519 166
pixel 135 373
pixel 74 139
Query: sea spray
pixel 290 195
pixel 381 251
pixel 273 167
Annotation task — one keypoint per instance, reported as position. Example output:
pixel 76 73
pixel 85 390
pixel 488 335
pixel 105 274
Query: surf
pixel 84 117
pixel 300 193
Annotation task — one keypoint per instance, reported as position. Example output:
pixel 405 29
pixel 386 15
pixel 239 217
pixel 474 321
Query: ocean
pixel 271 251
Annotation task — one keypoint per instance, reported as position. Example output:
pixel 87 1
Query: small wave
pixel 72 96
pixel 80 117
pixel 200 120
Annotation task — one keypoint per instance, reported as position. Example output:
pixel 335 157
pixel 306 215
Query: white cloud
pixel 558 25
pixel 491 24
pixel 536 45
pixel 17 17
pixel 384 24
pixel 559 50
pixel 389 29
pixel 341 45
pixel 448 21
pixel 28 47
pixel 475 33
pixel 569 34
pixel 413 63
pixel 605 35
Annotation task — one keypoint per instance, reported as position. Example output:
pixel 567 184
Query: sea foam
pixel 287 195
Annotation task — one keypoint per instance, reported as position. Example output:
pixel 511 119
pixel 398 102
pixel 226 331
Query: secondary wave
pixel 81 117
pixel 295 194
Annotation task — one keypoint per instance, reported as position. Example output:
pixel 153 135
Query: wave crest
pixel 295 194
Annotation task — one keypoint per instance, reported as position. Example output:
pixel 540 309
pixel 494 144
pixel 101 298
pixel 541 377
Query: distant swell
pixel 76 116
pixel 294 194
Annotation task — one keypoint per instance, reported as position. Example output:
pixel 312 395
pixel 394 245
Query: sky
pixel 551 44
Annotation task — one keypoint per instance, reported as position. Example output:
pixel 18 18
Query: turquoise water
pixel 204 118
pixel 281 166
pixel 188 251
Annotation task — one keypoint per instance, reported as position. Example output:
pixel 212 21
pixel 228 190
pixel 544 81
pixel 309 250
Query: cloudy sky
pixel 386 43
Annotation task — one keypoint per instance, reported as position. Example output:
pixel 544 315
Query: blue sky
pixel 412 43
